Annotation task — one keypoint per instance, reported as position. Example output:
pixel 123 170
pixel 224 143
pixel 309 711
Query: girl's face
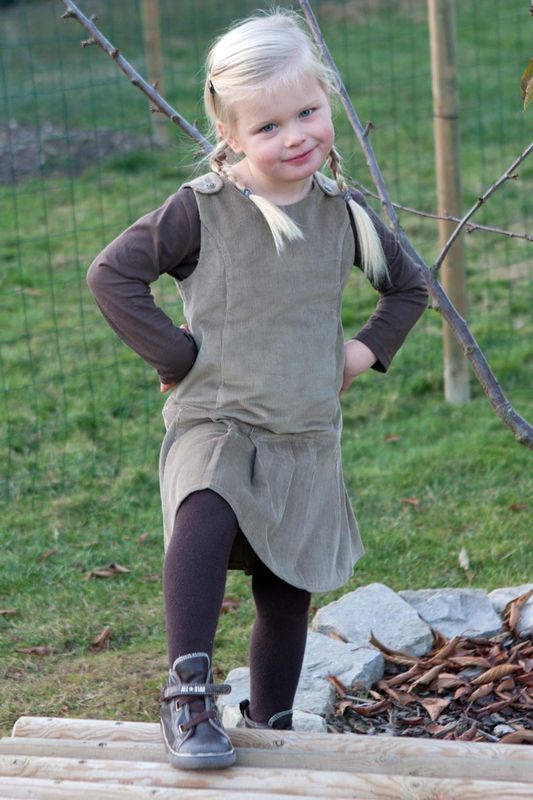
pixel 284 135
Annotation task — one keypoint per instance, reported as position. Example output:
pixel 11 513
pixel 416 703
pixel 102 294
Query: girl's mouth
pixel 299 159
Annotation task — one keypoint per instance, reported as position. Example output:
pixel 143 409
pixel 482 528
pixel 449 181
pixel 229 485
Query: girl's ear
pixel 224 133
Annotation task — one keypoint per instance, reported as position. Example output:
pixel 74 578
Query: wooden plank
pixel 39 789
pixel 386 748
pixel 409 764
pixel 299 783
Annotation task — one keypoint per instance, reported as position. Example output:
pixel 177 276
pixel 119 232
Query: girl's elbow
pixel 95 277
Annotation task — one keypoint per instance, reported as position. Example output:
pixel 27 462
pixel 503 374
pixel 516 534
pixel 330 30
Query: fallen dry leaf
pixel 7 612
pixel 470 661
pixel 427 677
pixel 37 650
pixel 481 691
pixel 410 501
pixel 338 636
pixel 466 686
pixel 48 553
pixel 396 656
pixel 111 571
pixel 102 640
pixel 463 559
pixel 434 706
pixel 518 737
pixel 392 437
pixel 518 507
pixel 496 673
pixel 340 688
pixel 228 604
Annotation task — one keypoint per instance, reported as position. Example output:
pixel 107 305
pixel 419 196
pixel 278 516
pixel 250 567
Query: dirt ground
pixel 28 152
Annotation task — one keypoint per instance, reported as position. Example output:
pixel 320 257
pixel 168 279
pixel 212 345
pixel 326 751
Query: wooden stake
pixel 154 62
pixel 448 169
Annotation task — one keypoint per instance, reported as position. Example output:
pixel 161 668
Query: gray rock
pixel 320 695
pixel 455 612
pixel 375 608
pixel 501 730
pixel 302 721
pixel 315 697
pixel 500 597
pixel 239 680
pixel 348 662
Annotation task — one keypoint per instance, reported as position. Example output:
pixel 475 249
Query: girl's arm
pixel 165 240
pixel 403 299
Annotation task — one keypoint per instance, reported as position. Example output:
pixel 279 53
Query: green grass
pixel 80 422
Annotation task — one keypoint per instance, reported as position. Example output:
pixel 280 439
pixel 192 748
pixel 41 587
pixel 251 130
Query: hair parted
pixel 267 51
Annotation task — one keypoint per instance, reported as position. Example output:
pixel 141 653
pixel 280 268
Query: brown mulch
pixel 468 689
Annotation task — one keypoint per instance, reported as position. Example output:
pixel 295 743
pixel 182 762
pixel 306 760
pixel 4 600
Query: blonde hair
pixel 269 51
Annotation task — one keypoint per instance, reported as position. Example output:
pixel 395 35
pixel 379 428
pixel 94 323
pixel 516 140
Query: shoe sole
pixel 202 760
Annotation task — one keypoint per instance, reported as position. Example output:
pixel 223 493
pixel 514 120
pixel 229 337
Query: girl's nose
pixel 294 136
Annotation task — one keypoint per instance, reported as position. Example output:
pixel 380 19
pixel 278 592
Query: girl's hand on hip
pixel 165 387
pixel 357 359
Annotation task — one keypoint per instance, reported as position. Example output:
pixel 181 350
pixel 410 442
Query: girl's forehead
pixel 279 96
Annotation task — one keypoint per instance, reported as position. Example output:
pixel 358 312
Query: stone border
pixel 400 620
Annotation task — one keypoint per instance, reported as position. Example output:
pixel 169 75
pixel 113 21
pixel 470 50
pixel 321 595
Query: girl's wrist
pixel 358 357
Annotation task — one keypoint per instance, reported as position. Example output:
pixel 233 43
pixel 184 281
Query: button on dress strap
pixel 210 183
pixel 328 186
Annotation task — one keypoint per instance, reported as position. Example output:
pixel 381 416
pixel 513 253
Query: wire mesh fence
pixel 81 160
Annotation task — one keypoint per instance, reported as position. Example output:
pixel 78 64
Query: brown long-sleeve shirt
pixel 168 240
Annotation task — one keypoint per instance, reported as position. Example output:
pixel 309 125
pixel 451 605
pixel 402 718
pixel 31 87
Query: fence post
pixel 154 62
pixel 448 172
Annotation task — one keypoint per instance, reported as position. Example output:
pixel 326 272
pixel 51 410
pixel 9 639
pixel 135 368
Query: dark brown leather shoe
pixel 282 721
pixel 193 734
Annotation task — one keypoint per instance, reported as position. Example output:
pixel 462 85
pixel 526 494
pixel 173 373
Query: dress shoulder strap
pixel 210 183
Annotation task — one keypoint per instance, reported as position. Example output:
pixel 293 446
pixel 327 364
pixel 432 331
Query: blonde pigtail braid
pixel 370 248
pixel 281 226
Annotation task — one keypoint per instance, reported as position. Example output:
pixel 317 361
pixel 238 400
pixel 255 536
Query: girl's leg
pixel 278 643
pixel 194 579
pixel 194 573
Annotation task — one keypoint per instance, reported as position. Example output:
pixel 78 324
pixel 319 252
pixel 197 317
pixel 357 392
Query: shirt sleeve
pixel 402 299
pixel 166 240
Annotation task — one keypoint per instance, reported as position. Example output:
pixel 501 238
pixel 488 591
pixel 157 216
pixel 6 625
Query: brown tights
pixel 194 579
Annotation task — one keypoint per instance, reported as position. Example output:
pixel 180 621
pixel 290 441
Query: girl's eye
pixel 306 112
pixel 267 128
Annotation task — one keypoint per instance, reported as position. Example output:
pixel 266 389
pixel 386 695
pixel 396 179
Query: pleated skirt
pixel 286 490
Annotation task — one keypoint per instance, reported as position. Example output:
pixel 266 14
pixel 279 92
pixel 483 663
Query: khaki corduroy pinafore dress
pixel 257 418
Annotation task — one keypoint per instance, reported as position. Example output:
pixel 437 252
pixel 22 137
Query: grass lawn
pixel 80 422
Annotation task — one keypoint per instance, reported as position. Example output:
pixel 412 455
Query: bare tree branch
pixel 96 37
pixel 521 428
pixel 507 175
pixel 471 227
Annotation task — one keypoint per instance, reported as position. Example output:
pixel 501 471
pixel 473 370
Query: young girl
pixel 250 468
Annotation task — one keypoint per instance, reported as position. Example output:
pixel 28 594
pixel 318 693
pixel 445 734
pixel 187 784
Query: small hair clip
pixel 211 87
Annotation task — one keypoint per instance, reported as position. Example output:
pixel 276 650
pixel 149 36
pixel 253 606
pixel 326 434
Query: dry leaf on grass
pixel 102 641
pixel 228 604
pixel 37 650
pixel 110 571
pixel 48 553
pixel 7 612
